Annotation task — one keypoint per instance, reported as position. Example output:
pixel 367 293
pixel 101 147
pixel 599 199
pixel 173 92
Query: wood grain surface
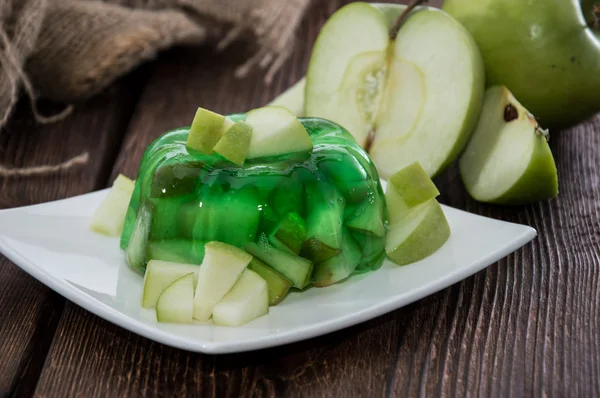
pixel 29 311
pixel 528 325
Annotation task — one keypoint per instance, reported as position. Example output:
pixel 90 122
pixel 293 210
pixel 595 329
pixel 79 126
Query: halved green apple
pixel 508 160
pixel 415 98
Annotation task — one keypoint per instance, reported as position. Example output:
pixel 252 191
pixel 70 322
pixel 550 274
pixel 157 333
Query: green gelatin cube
pixel 373 251
pixel 414 185
pixel 339 267
pixel 288 196
pixel 206 130
pixel 278 284
pixel 174 178
pixel 368 217
pixel 289 234
pixel 235 142
pixel 325 211
pixel 164 221
pixel 176 250
pixel 347 174
pixel 227 215
pixel 295 268
pixel 135 254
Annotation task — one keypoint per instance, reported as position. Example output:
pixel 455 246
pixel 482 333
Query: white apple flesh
pixel 222 266
pixel 415 98
pixel 176 303
pixel 247 300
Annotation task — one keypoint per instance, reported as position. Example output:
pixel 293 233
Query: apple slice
pixel 206 130
pixel 159 275
pixel 246 301
pixel 297 269
pixel 421 233
pixel 418 226
pixel 276 131
pixel 222 266
pixel 235 142
pixel 176 303
pixel 508 160
pixel 292 98
pixel 415 98
pixel 278 284
pixel 109 217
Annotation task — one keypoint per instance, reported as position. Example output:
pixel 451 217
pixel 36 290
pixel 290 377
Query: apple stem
pixel 542 132
pixel 411 6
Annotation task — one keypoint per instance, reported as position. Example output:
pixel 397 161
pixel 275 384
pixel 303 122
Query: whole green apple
pixel 547 52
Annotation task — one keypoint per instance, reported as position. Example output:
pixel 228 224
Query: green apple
pixel 414 98
pixel 546 52
pixel 235 142
pixel 222 266
pixel 418 226
pixel 109 217
pixel 159 275
pixel 508 160
pixel 206 130
pixel 276 131
pixel 292 98
pixel 176 303
pixel 247 300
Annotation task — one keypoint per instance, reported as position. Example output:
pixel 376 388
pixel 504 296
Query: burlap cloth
pixel 68 50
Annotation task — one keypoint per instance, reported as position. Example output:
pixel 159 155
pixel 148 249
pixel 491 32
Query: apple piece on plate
pixel 276 131
pixel 247 300
pixel 235 142
pixel 421 233
pixel 418 226
pixel 414 98
pixel 176 303
pixel 292 98
pixel 222 266
pixel 109 217
pixel 159 275
pixel 206 130
pixel 508 160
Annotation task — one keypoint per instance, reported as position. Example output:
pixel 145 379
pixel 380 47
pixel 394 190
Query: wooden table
pixel 528 325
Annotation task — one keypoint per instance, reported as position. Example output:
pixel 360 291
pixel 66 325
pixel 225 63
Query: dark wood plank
pixel 29 311
pixel 526 325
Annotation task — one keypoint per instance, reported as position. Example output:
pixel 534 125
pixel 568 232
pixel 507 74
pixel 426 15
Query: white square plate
pixel 53 244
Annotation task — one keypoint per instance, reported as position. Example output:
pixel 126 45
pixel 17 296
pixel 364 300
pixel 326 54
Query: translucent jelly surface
pixel 326 206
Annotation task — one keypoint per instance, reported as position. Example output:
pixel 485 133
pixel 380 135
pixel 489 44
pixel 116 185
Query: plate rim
pixel 297 334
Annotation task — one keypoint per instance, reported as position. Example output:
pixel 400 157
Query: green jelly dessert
pixel 312 216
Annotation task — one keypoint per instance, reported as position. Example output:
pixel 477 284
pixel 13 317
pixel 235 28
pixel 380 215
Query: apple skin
pixel 542 50
pixel 538 182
